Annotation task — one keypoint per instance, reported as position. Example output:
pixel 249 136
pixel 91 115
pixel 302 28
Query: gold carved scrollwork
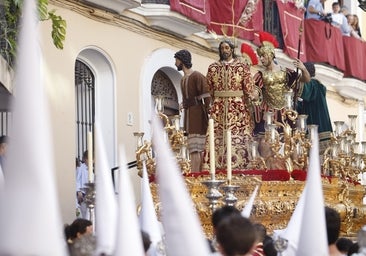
pixel 276 201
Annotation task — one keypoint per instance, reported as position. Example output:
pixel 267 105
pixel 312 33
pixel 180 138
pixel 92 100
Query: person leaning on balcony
pixel 196 101
pixel 315 10
pixel 356 26
pixel 353 30
pixel 337 16
pixel 339 19
pixel 346 28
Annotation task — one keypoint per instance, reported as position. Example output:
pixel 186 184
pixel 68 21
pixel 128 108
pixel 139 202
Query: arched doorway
pixel 161 85
pixel 159 76
pixel 94 91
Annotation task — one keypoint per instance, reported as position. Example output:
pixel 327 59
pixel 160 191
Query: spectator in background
pixel 333 225
pixel 352 21
pixel 315 10
pixel 348 30
pixel 268 246
pixel 77 162
pixel 339 19
pixel 146 241
pixel 222 213
pixel 356 25
pixel 78 228
pixel 219 215
pixel 3 149
pixel 344 10
pixel 353 250
pixel 261 233
pixel 236 236
pixel 344 244
pixel 82 177
pixel 337 16
pixel 79 237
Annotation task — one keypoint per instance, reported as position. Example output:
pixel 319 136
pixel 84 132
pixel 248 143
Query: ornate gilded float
pixel 279 189
pixel 277 197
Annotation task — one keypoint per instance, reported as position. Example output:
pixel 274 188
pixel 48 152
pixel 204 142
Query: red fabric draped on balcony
pixel 324 43
pixel 228 17
pixel 354 56
pixel 197 10
pixel 239 18
pixel 291 18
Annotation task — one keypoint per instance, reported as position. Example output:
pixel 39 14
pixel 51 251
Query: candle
pixel 268 117
pixel 228 155
pixel 301 123
pixel 254 149
pixel 90 156
pixel 272 132
pixel 212 147
pixel 363 147
pixel 183 151
pixel 176 122
pixel 289 96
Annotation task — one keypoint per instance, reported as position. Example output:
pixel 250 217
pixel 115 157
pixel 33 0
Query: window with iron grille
pixel 85 105
pixel 271 21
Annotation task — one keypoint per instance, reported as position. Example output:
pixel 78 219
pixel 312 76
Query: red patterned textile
pixel 269 175
pixel 239 18
pixel 354 57
pixel 226 18
pixel 299 175
pixel 230 85
pixel 324 43
pixel 291 19
pixel 197 10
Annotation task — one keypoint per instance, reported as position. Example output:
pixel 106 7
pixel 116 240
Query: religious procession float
pixel 278 190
